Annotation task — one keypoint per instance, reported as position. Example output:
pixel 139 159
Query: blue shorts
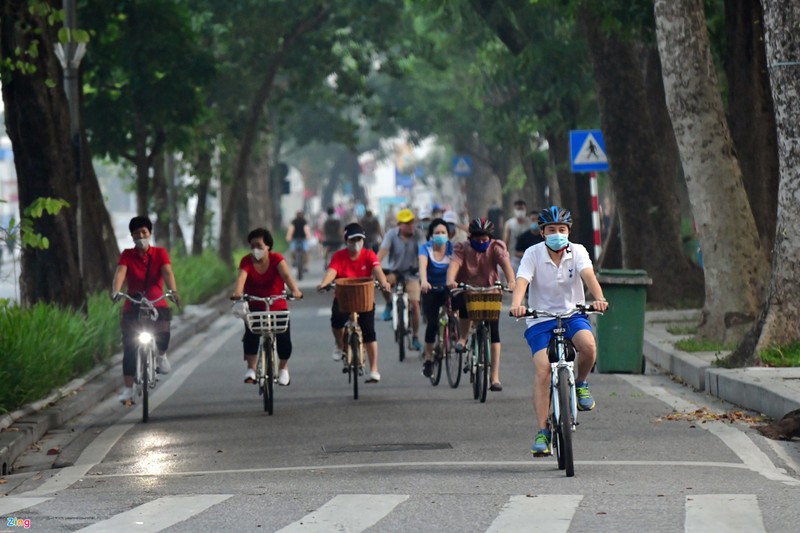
pixel 297 243
pixel 539 335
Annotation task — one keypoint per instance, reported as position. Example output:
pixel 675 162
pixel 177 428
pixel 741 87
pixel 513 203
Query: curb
pixel 21 428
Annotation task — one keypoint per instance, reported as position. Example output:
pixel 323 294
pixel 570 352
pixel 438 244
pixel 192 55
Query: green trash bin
pixel 620 330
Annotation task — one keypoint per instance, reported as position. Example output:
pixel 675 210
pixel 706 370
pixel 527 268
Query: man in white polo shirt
pixel 556 271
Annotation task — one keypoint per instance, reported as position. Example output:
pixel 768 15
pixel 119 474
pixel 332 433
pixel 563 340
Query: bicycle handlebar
pixel 462 287
pixel 580 309
pixel 266 299
pixel 144 301
pixel 332 285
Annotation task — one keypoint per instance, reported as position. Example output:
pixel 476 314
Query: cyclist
pixel 331 234
pixel 434 259
pixel 475 263
pixel 515 226
pixel 372 229
pixel 298 236
pixel 355 261
pixel 144 268
pixel 401 244
pixel 263 273
pixel 556 271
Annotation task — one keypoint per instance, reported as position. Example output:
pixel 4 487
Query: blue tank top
pixel 437 270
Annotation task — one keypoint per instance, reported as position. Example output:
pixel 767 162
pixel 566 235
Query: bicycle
pixel 353 345
pixel 299 257
pixel 267 324
pixel 483 305
pixel 444 349
pixel 563 418
pixel 400 324
pixel 145 377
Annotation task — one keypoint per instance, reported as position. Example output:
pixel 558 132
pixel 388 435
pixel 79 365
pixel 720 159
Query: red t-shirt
pixel 136 264
pixel 360 268
pixel 270 283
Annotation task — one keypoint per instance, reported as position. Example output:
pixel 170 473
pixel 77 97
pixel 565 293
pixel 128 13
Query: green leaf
pixel 50 83
pixel 63 35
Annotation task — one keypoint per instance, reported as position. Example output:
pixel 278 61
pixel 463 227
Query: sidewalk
pixel 770 391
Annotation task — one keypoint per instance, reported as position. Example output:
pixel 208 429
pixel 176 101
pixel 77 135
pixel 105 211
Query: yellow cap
pixel 405 215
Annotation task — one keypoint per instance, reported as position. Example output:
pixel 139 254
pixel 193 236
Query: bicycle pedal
pixel 541 454
pixel 345 370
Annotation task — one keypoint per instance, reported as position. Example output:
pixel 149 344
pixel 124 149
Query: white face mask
pixel 355 246
pixel 519 212
pixel 141 244
pixel 258 253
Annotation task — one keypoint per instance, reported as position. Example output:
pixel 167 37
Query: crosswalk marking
pixel 158 514
pixel 723 512
pixel 347 513
pixel 12 504
pixel 552 513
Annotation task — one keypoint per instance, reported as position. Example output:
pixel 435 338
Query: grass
pixel 43 347
pixel 698 345
pixel 782 356
pixel 682 330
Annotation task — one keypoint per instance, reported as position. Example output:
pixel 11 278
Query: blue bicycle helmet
pixel 554 215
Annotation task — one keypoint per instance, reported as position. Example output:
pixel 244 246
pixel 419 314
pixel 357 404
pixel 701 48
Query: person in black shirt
pixel 528 238
pixel 298 236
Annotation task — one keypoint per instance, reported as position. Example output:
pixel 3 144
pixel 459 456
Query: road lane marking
pixel 347 513
pixel 734 438
pixel 158 514
pixel 552 513
pixel 96 451
pixel 532 464
pixel 723 512
pixel 11 504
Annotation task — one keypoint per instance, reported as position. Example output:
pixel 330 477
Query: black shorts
pixel 283 342
pixel 365 320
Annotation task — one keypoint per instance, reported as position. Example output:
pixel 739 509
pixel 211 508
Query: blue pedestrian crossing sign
pixel 462 165
pixel 587 151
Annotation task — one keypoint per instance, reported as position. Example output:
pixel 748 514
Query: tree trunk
pixel 37 123
pixel 646 199
pixel 161 233
pixel 751 114
pixel 735 264
pixel 779 321
pixel 203 172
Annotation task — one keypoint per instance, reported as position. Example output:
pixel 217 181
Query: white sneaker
pixel 250 375
pixel 283 377
pixel 374 377
pixel 126 395
pixel 162 364
pixel 337 354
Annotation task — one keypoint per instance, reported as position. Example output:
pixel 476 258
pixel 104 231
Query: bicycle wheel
pixel 436 369
pixel 269 378
pixel 400 333
pixel 564 427
pixel 298 261
pixel 452 359
pixel 355 361
pixel 474 376
pixel 484 362
pixel 145 358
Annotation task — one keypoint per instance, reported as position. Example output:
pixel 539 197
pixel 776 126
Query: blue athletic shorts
pixel 538 335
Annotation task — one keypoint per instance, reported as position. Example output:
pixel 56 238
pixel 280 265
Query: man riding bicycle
pixel 401 244
pixel 556 271
pixel 298 236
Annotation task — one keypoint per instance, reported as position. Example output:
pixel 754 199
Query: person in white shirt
pixel 514 227
pixel 556 270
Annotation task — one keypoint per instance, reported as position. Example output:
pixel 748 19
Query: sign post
pixel 588 154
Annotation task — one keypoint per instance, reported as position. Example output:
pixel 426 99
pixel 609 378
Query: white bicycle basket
pixel 261 322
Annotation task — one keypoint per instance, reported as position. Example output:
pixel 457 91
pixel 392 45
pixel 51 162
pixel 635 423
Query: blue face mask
pixel 534 226
pixel 478 246
pixel 557 241
pixel 439 240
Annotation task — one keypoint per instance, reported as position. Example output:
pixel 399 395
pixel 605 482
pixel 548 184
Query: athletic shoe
pixel 427 369
pixel 415 344
pixel 337 354
pixel 283 377
pixel 162 364
pixel 126 395
pixel 585 400
pixel 387 314
pixel 374 377
pixel 250 376
pixel 541 444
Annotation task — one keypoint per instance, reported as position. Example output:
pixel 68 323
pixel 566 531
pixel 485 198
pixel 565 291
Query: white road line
pixel 780 451
pixel 750 454
pixel 158 514
pixel 12 504
pixel 347 513
pixel 723 512
pixel 99 447
pixel 532 464
pixel 323 311
pixel 552 513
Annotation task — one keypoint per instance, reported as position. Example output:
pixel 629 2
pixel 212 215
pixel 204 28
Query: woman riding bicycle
pixel 144 269
pixel 556 271
pixel 355 261
pixel 263 273
pixel 475 263
pixel 434 259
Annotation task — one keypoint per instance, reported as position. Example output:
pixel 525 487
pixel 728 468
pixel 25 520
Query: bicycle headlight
pixel 145 337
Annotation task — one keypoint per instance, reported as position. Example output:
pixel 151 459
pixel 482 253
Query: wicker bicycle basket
pixel 261 322
pixel 484 305
pixel 355 295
